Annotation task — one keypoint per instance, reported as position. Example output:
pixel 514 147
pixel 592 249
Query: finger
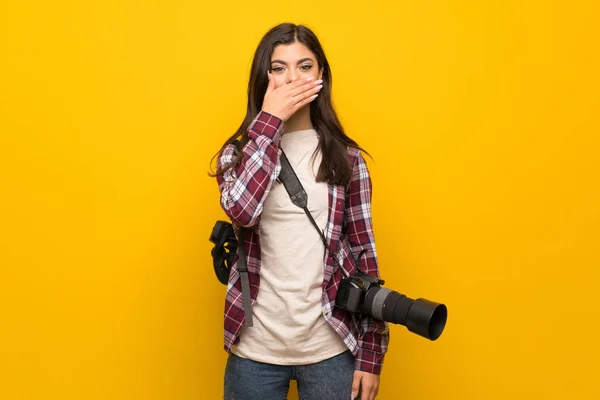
pixel 367 391
pixel 373 393
pixel 301 85
pixel 306 94
pixel 355 386
pixel 304 102
pixel 367 387
pixel 271 85
pixel 306 87
pixel 309 95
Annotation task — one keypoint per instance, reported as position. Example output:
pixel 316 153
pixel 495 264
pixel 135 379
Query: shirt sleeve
pixel 245 187
pixel 374 336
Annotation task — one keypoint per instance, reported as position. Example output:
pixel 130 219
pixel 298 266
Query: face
pixel 290 62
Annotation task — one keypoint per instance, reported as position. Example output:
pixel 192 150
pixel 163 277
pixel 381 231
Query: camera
pixel 224 250
pixel 362 293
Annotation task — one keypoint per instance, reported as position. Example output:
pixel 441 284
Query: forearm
pixel 372 346
pixel 244 187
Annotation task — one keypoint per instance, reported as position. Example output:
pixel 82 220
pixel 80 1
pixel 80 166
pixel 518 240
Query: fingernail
pixel 319 81
pixel 354 394
pixel 309 79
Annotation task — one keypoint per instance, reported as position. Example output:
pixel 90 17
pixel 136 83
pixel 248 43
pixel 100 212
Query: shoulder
pixel 353 155
pixel 355 158
pixel 359 170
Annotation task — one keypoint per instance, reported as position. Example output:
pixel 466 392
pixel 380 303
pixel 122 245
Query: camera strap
pixel 243 270
pixel 299 197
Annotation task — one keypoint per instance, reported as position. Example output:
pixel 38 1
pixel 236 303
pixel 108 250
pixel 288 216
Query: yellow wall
pixel 482 118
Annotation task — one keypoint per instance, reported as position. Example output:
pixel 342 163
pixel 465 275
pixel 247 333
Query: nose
pixel 292 76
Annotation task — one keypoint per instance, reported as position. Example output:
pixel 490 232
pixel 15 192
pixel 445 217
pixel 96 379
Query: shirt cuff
pixel 266 125
pixel 369 361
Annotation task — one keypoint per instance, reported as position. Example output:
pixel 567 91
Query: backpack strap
pixel 243 270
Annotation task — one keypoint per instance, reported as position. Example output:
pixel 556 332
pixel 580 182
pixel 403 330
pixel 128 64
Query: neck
pixel 300 121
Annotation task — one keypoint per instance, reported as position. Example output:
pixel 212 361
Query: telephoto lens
pixel 423 317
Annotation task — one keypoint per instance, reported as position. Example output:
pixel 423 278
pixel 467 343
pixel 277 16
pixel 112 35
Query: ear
pixel 321 73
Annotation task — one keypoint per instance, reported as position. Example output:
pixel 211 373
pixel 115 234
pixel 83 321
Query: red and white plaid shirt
pixel 243 192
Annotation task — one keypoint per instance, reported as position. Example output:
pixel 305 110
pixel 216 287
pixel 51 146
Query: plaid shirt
pixel 243 191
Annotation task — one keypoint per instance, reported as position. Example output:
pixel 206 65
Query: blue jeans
pixel 330 379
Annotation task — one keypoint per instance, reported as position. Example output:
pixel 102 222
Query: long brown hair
pixel 333 141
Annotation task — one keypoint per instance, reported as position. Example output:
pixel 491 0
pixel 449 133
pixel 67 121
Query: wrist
pixel 273 114
pixel 267 125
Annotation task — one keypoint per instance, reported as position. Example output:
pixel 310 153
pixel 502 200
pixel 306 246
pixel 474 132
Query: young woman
pixel 297 331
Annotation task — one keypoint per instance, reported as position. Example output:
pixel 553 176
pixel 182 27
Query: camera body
pixel 352 291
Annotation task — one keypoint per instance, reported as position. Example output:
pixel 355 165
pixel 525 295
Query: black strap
pixel 243 270
pixel 299 197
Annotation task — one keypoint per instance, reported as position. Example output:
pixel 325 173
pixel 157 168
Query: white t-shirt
pixel 289 327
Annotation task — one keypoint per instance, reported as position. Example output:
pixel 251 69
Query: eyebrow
pixel 299 61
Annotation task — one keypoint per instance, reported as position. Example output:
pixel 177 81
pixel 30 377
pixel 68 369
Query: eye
pixel 277 69
pixel 306 67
